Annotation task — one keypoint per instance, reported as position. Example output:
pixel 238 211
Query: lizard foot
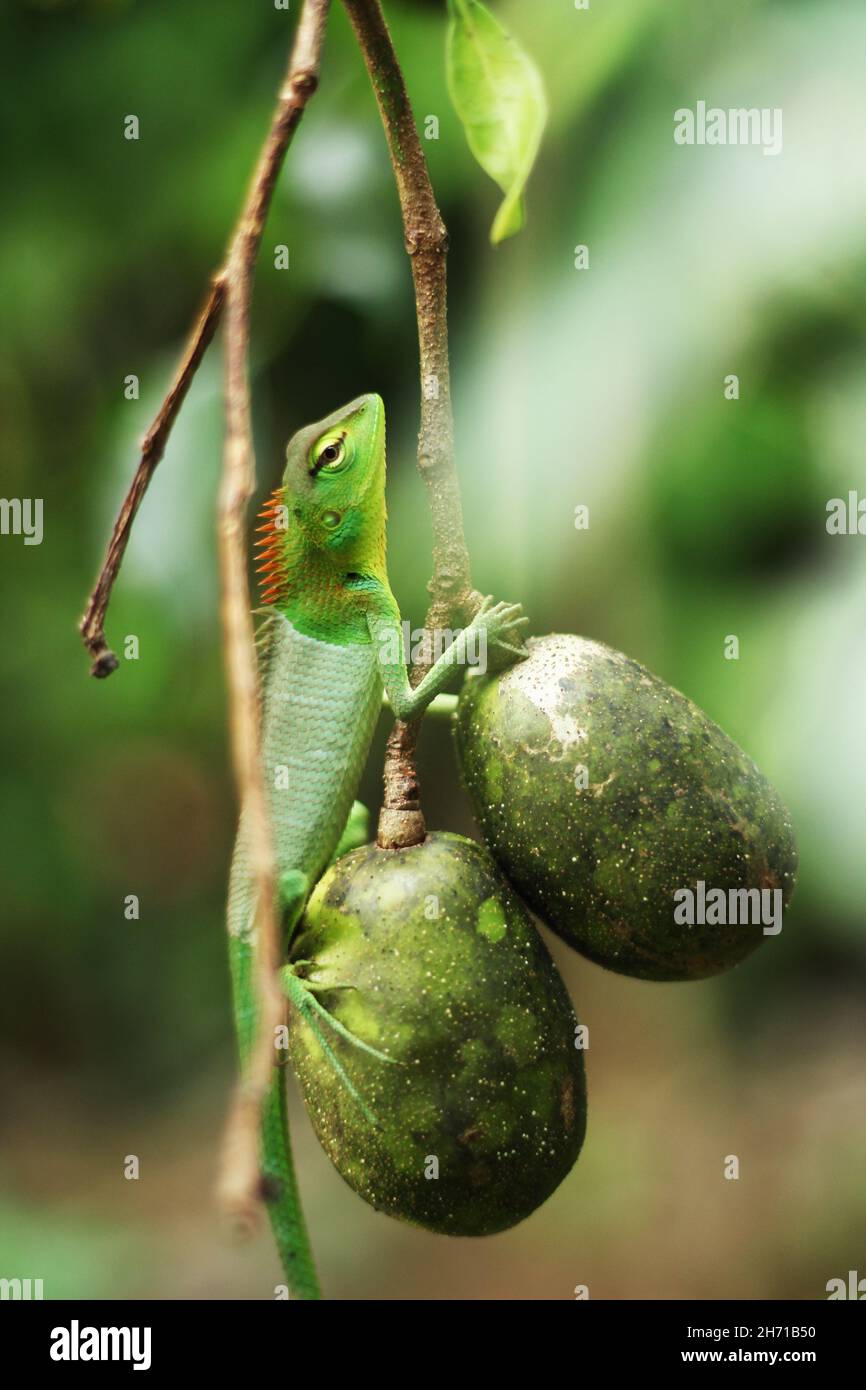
pixel 302 996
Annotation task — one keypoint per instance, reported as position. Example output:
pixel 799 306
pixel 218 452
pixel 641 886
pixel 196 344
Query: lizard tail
pixel 282 1197
pixel 280 1185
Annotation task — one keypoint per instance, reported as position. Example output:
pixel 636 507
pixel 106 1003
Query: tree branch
pixel 298 86
pixel 231 291
pixel 92 625
pixel 426 240
pixel 240 1180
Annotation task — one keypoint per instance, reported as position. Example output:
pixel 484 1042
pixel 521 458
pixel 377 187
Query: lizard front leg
pixel 497 622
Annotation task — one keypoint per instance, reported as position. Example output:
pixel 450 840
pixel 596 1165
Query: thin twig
pixel 240 1180
pixel 92 625
pixel 289 111
pixel 451 591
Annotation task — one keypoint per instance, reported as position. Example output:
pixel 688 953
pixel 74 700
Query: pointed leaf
pixel 497 92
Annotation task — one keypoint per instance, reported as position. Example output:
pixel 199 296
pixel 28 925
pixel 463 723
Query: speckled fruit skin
pixel 471 1006
pixel 670 800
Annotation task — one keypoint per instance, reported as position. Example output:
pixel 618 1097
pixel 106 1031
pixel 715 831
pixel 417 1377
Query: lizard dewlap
pixel 623 816
pixel 426 956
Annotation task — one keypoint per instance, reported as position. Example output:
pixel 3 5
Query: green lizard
pixel 331 640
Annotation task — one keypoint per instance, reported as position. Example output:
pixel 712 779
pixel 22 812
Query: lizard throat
pixel 320 598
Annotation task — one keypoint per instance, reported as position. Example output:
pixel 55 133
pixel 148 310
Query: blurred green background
pixel 602 387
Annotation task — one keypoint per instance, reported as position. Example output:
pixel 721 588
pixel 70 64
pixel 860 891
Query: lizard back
pixel 320 702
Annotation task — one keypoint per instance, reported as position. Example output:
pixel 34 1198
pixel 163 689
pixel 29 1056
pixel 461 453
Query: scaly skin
pixel 332 641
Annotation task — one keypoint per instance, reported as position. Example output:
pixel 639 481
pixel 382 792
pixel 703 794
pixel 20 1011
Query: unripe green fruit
pixel 601 792
pixel 485 1111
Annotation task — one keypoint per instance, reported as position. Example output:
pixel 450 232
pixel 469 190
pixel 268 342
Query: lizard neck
pixel 316 599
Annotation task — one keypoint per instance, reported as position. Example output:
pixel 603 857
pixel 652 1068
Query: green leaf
pixel 497 92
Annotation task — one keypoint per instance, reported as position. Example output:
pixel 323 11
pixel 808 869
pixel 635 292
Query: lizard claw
pixel 501 621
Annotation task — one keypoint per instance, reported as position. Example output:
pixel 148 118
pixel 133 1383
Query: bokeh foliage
pixel 601 387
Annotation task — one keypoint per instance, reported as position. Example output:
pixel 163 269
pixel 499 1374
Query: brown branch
pixel 240 1180
pixel 451 591
pixel 231 291
pixel 426 243
pixel 303 70
pixel 92 625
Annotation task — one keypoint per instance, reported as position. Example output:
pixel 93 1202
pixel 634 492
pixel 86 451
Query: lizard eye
pixel 331 456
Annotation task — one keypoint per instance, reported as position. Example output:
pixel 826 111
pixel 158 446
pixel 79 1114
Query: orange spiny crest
pixel 270 558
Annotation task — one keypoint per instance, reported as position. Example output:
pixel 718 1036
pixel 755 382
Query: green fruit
pixel 448 977
pixel 602 792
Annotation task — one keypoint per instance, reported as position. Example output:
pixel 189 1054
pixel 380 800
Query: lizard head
pixel 332 499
